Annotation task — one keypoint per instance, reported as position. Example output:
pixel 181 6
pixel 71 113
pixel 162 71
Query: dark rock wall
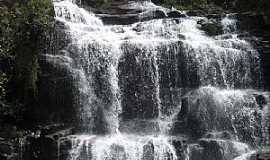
pixel 138 82
pixel 153 77
pixel 258 25
pixel 56 87
pixel 209 109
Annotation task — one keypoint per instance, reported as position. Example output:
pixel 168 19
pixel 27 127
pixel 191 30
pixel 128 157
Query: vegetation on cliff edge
pixel 24 27
pixel 260 6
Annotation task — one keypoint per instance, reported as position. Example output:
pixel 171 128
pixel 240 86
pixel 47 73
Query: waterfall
pixel 97 60
pixel 122 147
pixel 137 85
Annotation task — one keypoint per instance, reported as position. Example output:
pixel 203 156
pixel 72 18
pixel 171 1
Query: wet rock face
pixel 8 150
pixel 127 19
pixel 220 135
pixel 158 14
pixel 177 69
pixel 250 21
pixel 125 13
pixel 258 25
pixel 175 14
pixel 213 149
pixel 59 39
pixel 56 91
pixel 148 151
pixel 55 84
pixel 196 151
pixel 48 143
pixel 219 111
pixel 152 77
pixel 211 27
pixel 154 14
pixel 260 154
pixel 261 100
pixel 138 83
pixel 117 152
pixel 177 72
pixel 118 19
pixel 140 127
pixel 181 147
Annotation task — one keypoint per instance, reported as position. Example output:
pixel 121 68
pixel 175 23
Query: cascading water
pixel 121 147
pixel 135 86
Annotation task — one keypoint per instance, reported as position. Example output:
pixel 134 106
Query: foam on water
pixel 218 57
pixel 96 51
pixel 229 24
pixel 245 156
pixel 236 111
pixel 121 147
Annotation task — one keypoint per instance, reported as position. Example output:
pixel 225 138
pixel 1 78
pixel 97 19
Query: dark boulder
pixel 159 14
pixel 175 14
pixel 117 152
pixel 219 135
pixel 55 85
pixel 148 151
pixel 118 19
pixel 261 100
pixel 180 145
pixel 59 38
pixel 6 147
pixel 47 144
pixel 257 155
pixel 212 28
pixel 215 16
pixel 196 13
pixel 195 151
pixel 139 126
pixel 126 19
pixel 154 14
pixel 213 149
pixel 56 88
pixel 220 149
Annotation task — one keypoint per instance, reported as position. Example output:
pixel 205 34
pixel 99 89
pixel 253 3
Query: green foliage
pixel 23 21
pixel 236 5
pixel 183 4
pixel 24 26
pixel 33 18
pixel 11 132
pixel 23 30
pixel 97 3
pixel 33 21
pixel 6 31
pixel 7 109
pixel 3 85
pixel 11 110
pixel 250 5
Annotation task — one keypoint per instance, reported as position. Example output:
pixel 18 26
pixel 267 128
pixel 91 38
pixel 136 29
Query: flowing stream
pixel 144 85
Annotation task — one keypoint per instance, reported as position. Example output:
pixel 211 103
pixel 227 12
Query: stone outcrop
pixel 49 143
pixel 175 14
pixel 213 149
pixel 257 25
pixel 8 150
pixel 213 110
pixel 211 27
